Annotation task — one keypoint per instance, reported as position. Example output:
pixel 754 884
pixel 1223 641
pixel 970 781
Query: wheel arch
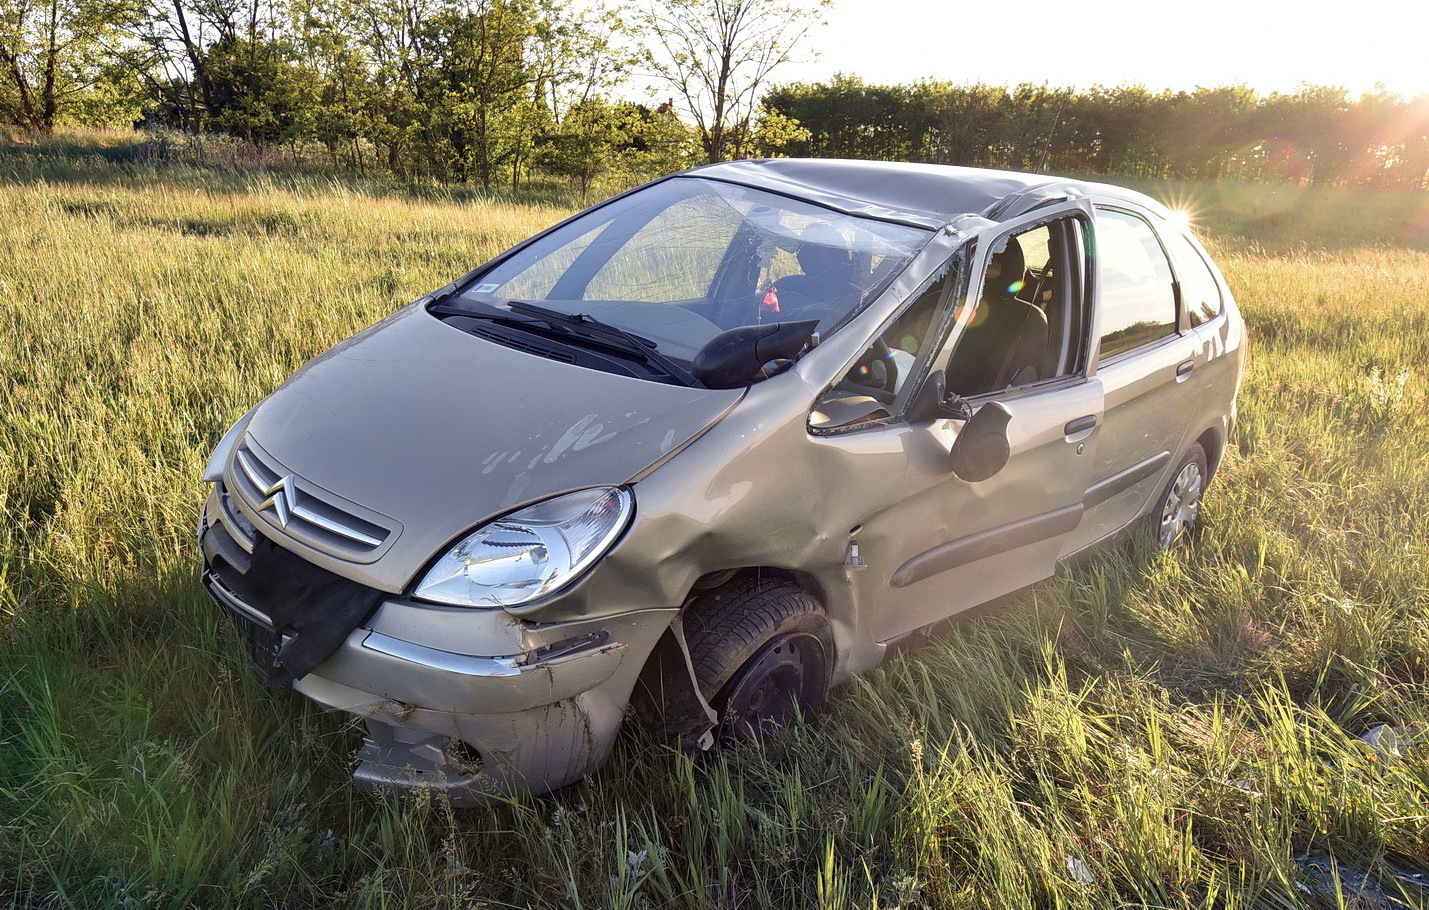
pixel 667 698
pixel 1213 442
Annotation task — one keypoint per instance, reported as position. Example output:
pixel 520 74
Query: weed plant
pixel 1150 730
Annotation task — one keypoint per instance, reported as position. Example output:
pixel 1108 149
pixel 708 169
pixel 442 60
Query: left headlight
pixel 213 471
pixel 530 553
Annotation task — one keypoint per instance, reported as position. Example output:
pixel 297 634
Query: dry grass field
pixel 1151 730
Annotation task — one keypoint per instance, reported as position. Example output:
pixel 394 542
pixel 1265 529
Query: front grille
pixel 290 614
pixel 261 642
pixel 291 504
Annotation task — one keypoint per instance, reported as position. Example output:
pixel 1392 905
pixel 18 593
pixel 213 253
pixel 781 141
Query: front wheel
pixel 761 652
pixel 1179 509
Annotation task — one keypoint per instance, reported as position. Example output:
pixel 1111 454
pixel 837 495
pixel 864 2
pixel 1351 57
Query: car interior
pixel 1024 327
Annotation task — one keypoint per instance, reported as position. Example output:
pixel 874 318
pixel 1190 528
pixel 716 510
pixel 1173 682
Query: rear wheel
pixel 1174 519
pixel 761 651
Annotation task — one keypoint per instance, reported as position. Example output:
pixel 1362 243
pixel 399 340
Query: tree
pixel 478 86
pixel 582 148
pixel 575 55
pixel 653 143
pixel 259 92
pixel 717 54
pixel 51 54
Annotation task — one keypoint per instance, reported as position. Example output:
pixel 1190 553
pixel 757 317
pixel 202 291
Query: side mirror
pixel 981 449
pixel 933 402
pixel 738 357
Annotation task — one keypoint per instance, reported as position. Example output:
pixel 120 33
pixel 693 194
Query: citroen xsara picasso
pixel 714 444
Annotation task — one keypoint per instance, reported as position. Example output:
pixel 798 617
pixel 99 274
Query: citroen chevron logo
pixel 282 499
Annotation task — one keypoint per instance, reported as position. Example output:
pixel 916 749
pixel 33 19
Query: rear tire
pixel 1174 520
pixel 761 651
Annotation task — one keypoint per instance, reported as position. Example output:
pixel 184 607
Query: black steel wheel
pixel 762 653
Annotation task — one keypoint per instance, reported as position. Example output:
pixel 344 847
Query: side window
pixel 1025 325
pixel 870 388
pixel 1138 305
pixel 1200 294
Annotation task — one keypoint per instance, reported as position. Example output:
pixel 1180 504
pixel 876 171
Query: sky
pixel 1268 46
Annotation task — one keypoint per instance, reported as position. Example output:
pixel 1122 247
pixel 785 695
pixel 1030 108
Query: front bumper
pixel 473 703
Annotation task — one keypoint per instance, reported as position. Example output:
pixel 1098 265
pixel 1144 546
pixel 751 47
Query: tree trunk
pixel 195 59
pixel 49 103
pixel 27 111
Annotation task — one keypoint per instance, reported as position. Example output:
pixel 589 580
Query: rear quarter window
pixel 1200 294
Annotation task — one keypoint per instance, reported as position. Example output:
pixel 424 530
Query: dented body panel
pixel 429 442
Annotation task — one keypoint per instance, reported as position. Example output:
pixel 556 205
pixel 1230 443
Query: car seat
pixel 826 289
pixel 1005 344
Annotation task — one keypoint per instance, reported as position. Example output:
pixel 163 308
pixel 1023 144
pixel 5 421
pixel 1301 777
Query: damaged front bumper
pixel 473 703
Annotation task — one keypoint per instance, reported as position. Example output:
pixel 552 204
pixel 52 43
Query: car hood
pixel 425 431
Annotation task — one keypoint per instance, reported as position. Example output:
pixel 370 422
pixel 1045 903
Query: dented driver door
pixel 953 543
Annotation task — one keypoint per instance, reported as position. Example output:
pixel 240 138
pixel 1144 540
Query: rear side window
pixel 1138 303
pixel 1200 294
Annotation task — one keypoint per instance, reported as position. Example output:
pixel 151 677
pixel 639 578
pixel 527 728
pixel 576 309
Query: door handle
pixel 1074 427
pixel 1184 368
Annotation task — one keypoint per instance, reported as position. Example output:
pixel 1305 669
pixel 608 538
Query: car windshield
pixel 685 259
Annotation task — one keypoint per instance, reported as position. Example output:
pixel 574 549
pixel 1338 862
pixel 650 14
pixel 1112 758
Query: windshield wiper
pixel 588 326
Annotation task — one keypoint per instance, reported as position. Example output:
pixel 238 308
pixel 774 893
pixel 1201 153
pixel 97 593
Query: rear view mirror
pixel 739 356
pixel 982 448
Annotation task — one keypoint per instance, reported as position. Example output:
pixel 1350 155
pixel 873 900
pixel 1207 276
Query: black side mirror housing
pixel 933 402
pixel 738 357
pixel 982 449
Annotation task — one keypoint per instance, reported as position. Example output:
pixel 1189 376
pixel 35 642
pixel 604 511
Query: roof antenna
pixel 1047 146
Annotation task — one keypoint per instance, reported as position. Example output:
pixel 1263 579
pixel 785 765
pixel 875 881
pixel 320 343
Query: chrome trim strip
pixel 334 527
pixel 247 466
pixel 463 664
pixel 282 498
pixel 231 601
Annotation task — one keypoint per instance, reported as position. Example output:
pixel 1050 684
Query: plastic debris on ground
pixel 1338 885
pixel 1081 872
pixel 1390 743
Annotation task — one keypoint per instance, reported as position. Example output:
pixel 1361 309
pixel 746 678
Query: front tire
pixel 762 652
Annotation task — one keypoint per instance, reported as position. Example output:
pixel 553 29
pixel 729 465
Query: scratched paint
pixel 585 433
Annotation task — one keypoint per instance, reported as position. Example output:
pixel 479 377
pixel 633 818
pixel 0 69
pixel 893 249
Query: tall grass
pixel 1151 730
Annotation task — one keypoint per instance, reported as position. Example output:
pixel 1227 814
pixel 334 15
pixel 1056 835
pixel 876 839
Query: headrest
pixel 1006 271
pixel 824 254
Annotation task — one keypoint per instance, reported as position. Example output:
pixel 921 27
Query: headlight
pixel 530 553
pixel 213 471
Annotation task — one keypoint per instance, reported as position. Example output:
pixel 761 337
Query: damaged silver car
pixel 709 448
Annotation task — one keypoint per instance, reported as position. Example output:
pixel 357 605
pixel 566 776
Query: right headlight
pixel 530 553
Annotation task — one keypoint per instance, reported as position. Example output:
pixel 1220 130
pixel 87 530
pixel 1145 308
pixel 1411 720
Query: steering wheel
pixel 874 374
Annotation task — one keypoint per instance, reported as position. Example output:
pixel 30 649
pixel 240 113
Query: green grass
pixel 1151 730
